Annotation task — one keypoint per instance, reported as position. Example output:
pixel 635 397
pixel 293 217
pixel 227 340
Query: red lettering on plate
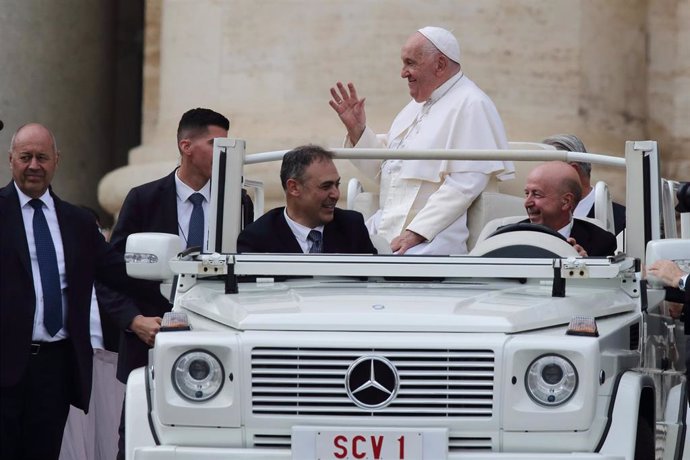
pixel 376 445
pixel 401 441
pixel 355 453
pixel 337 442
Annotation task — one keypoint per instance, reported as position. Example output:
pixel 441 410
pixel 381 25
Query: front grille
pixel 433 383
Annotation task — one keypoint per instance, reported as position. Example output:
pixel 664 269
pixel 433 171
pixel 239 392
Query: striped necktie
pixel 316 242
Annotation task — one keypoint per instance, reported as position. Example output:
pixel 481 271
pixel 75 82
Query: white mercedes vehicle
pixel 520 349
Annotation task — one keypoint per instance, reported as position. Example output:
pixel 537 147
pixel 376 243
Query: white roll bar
pixel 642 184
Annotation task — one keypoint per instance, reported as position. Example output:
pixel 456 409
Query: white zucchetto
pixel 444 40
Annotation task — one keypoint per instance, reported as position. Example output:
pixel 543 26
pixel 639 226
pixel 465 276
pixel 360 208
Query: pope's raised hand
pixel 350 109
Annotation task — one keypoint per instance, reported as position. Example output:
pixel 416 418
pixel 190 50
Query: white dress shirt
pixel 185 207
pixel 95 326
pixel 565 231
pixel 585 205
pixel 40 333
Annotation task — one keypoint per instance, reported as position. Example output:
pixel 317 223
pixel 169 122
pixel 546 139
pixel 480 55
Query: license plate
pixel 369 443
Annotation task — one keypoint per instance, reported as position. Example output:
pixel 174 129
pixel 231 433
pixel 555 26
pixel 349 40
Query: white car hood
pixel 437 307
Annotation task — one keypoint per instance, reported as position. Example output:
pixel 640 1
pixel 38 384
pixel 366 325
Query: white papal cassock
pixel 431 197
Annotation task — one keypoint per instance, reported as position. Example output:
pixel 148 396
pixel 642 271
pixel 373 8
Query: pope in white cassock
pixel 423 203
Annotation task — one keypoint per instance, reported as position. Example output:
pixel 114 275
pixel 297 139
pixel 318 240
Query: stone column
pixel 668 89
pixel 56 68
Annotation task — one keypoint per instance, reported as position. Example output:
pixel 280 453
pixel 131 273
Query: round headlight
pixel 551 380
pixel 198 375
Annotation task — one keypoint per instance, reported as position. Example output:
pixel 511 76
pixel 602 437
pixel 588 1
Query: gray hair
pixel 297 160
pixel 570 143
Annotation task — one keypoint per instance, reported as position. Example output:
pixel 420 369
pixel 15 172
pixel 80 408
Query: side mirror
pixel 148 255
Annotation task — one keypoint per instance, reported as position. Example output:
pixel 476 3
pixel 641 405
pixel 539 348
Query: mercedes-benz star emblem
pixel 372 382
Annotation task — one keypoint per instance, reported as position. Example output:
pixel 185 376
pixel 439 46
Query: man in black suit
pixel 310 222
pixel 52 252
pixel 551 193
pixel 585 208
pixel 167 205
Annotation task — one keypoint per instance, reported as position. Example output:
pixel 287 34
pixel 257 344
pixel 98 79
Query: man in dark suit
pixel 52 252
pixel 167 205
pixel 310 222
pixel 585 208
pixel 551 193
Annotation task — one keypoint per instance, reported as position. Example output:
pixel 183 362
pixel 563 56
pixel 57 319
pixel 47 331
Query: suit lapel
pixel 285 235
pixel 16 240
pixel 168 205
pixel 69 234
pixel 581 235
pixel 332 237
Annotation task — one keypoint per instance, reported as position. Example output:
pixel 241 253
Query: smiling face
pixel 423 66
pixel 311 200
pixel 549 196
pixel 33 159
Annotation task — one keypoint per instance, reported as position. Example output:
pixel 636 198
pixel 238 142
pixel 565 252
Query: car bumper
pixel 201 453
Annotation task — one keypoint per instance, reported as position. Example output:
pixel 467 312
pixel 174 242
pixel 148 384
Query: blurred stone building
pixel 75 66
pixel 606 70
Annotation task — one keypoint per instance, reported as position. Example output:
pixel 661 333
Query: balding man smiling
pixel 552 192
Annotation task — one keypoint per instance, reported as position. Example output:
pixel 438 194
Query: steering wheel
pixel 524 240
pixel 528 227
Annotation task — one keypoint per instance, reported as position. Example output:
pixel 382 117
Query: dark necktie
pixel 316 241
pixel 195 236
pixel 48 268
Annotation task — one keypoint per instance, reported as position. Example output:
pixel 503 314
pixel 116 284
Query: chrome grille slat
pixel 346 362
pixel 301 371
pixel 402 373
pixel 402 392
pixel 311 381
pixel 281 382
pixel 345 400
pixel 388 412
pixel 272 440
pixel 447 373
pixel 486 393
pixel 356 352
pixel 456 444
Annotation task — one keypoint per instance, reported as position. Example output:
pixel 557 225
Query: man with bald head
pixel 423 203
pixel 552 192
pixel 51 253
